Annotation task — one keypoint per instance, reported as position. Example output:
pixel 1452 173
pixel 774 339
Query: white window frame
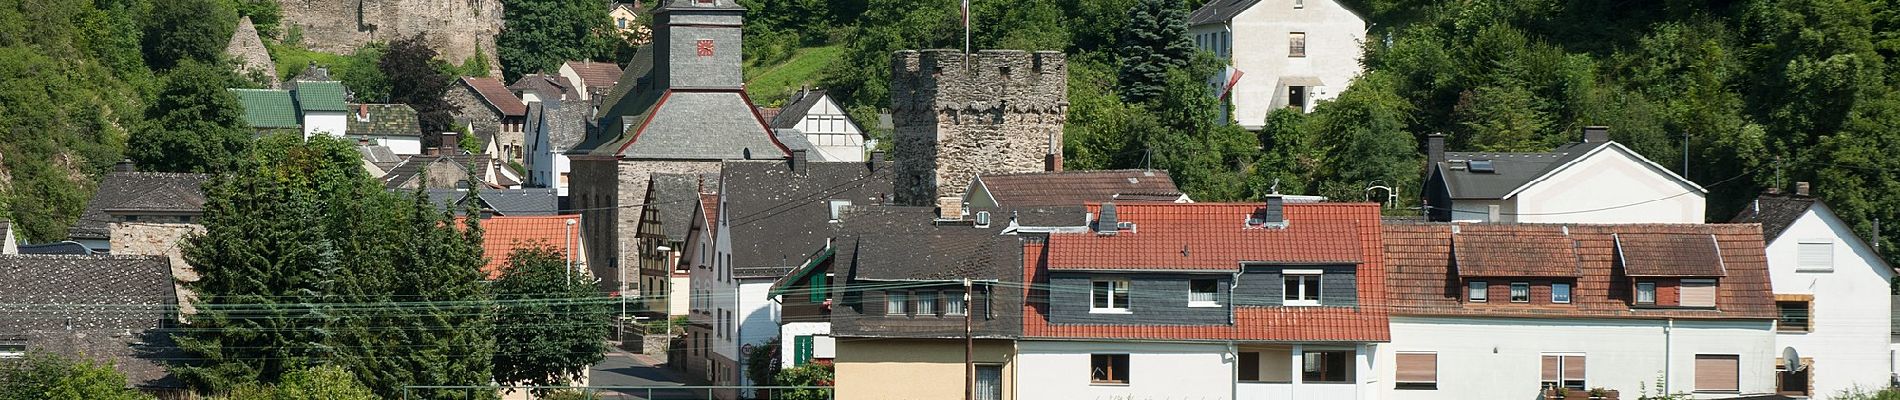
pixel 896 303
pixel 1303 299
pixel 1478 291
pixel 1802 264
pixel 954 304
pixel 1214 297
pixel 1527 292
pixel 837 207
pixel 1561 378
pixel 1651 291
pixel 1567 292
pixel 1114 307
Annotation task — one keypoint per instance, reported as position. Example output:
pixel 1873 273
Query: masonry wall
pixel 471 110
pixel 610 192
pixel 457 29
pixel 152 239
pixel 955 116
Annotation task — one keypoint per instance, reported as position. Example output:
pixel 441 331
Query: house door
pixel 989 382
pixel 1296 97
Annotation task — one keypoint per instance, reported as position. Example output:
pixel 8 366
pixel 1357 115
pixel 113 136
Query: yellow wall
pixel 877 369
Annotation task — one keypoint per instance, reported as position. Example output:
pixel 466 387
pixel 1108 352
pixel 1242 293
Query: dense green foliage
pixel 323 382
pixel 538 35
pixel 805 375
pixel 298 232
pixel 418 79
pixel 196 125
pixel 188 30
pixel 52 377
pixel 553 320
pixel 1153 43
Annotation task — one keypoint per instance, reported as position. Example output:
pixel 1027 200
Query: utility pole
pixel 969 346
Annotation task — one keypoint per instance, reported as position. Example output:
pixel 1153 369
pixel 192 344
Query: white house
pixel 1282 53
pixel 1595 181
pixel 832 135
pixel 1499 311
pixel 592 78
pixel 1831 294
pixel 321 107
pixel 553 127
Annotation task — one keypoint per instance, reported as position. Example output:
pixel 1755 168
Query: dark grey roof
pixel 56 248
pixel 793 139
pixel 687 125
pixel 907 243
pixel 1775 212
pixel 1513 170
pixel 139 191
pixel 778 217
pixel 100 307
pixel 506 202
pixel 673 5
pixel 380 156
pixel 673 197
pixel 1219 11
pixel 566 123
pixel 412 167
pixel 801 104
pixel 762 272
pixel 546 87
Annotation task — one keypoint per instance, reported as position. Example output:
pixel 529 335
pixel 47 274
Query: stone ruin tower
pixel 956 115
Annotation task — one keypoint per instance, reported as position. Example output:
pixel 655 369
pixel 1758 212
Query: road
pixel 624 369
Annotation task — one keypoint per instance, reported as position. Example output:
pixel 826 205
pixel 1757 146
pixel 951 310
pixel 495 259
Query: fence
pixel 627 392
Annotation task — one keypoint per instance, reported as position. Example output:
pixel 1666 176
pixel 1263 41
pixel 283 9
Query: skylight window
pixel 1483 167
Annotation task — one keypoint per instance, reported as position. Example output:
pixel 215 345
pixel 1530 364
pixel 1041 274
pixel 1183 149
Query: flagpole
pixel 966 26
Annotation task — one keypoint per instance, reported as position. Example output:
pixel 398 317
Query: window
pixel 989 382
pixel 1697 293
pixel 953 304
pixel 1560 293
pixel 1520 292
pixel 1299 4
pixel 1327 366
pixel 1203 293
pixel 1296 97
pixel 1302 287
pixel 1718 372
pixel 1296 44
pixel 895 302
pixel 1563 370
pixel 1815 255
pixel 1109 297
pixel 1793 314
pixel 820 288
pixel 1108 368
pixel 12 350
pixel 620 23
pixel 1250 366
pixel 1417 371
pixel 1793 383
pixel 1645 292
pixel 837 208
pixel 926 303
pixel 1480 291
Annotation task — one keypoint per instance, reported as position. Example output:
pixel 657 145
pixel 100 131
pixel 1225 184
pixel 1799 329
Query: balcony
pixel 1284 391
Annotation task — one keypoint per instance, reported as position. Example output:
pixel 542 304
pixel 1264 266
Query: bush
pixel 42 376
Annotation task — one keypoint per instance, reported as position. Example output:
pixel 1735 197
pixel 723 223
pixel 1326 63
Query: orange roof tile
pixel 1530 253
pixel 710 202
pixel 502 235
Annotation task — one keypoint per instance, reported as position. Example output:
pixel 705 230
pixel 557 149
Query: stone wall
pixel 456 28
pixel 956 116
pixel 153 239
pixel 252 57
pixel 483 121
pixel 610 194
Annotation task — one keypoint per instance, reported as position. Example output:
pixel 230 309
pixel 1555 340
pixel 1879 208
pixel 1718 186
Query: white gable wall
pixel 333 123
pixel 1850 317
pixel 575 78
pixel 831 132
pixel 1606 187
pixel 1258 46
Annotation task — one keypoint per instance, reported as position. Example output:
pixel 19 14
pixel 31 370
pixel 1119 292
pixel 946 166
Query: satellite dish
pixel 1791 360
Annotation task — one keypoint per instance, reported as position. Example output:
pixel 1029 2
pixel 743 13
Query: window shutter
pixel 1550 368
pixel 818 288
pixel 1717 372
pixel 1815 255
pixel 802 347
pixel 1697 293
pixel 1418 368
pixel 1573 368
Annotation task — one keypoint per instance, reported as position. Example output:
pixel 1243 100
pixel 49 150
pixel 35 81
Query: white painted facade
pixel 1258 42
pixel 574 77
pixel 823 345
pixel 832 134
pixel 333 123
pixel 1050 369
pixel 757 321
pixel 1500 358
pixel 1610 185
pixel 679 302
pixel 548 167
pixel 750 316
pixel 401 145
pixel 1851 312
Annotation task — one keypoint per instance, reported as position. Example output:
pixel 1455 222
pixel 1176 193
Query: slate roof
pixel 1216 237
pixel 320 96
pixel 1422 281
pixel 111 308
pixel 383 120
pixel 697 124
pixel 1219 11
pixel 503 235
pixel 413 166
pixel 554 87
pixel 382 156
pixel 802 102
pixel 181 193
pixel 880 244
pixel 505 202
pixel 1528 253
pixel 593 75
pixel 1775 212
pixel 1513 170
pixel 63 247
pixel 1669 254
pixel 1077 187
pixel 565 122
pixel 497 95
pixel 631 77
pixel 267 108
pixel 776 217
pixel 673 197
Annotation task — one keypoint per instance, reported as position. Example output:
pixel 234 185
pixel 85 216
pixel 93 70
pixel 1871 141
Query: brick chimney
pixel 950 208
pixel 800 162
pixel 449 144
pixel 1435 147
pixel 1801 188
pixel 125 165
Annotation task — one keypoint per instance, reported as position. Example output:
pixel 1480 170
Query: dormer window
pixel 1109 296
pixel 1302 287
pixel 1646 293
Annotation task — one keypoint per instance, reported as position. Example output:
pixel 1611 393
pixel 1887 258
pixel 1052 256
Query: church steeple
pixel 697 44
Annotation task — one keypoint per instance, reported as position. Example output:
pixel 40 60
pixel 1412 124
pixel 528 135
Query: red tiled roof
pixel 1208 236
pixel 768 113
pixel 502 235
pixel 710 202
pixel 1069 188
pixel 1650 254
pixel 1529 253
pixel 497 95
pixel 595 74
pixel 1321 232
pixel 1422 282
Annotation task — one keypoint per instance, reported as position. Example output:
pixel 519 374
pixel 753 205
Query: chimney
pixel 1493 213
pixel 949 208
pixel 1052 159
pixel 1435 147
pixel 1596 134
pixel 448 144
pixel 799 161
pixel 877 157
pixel 125 165
pixel 1801 188
pixel 1108 223
pixel 1275 211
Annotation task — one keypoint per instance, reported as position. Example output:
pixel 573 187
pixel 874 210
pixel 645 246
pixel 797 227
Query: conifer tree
pixel 1154 42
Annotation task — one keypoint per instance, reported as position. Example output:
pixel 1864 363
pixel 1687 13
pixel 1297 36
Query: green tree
pixel 1362 135
pixel 806 375
pixel 1154 41
pixel 41 376
pixel 265 14
pixel 1287 158
pixel 538 35
pixel 415 78
pixel 195 126
pixel 1206 155
pixel 188 30
pixel 553 321
pixel 324 382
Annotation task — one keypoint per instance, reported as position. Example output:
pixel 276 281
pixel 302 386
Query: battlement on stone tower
pixel 1014 80
pixel 955 116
